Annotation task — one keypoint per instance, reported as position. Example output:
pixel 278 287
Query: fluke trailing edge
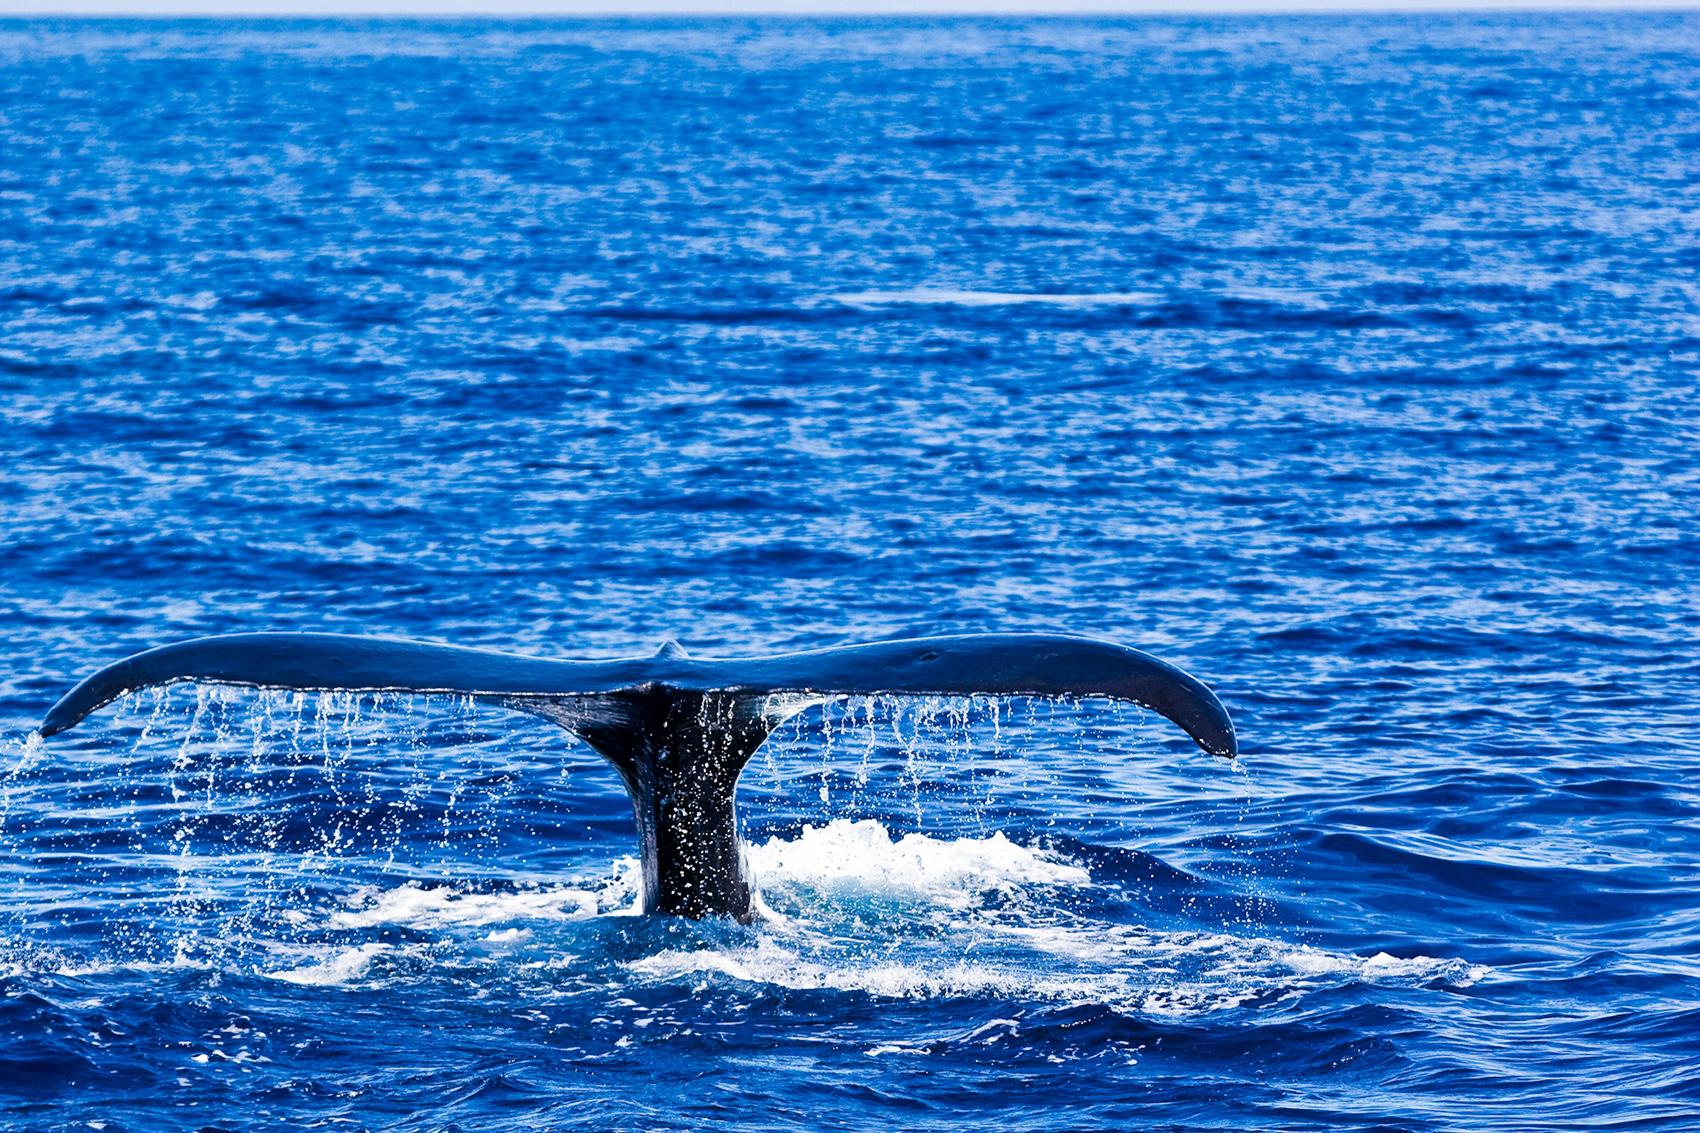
pixel 679 729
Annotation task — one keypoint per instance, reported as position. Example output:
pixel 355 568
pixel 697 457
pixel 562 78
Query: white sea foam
pixel 444 906
pixel 862 858
pixel 774 964
pixel 1137 972
pixel 343 967
pixel 1225 958
pixel 441 906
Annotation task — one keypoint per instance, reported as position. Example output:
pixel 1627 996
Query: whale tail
pixel 678 729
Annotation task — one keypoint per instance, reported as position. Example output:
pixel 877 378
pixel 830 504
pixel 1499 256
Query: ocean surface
pixel 1350 363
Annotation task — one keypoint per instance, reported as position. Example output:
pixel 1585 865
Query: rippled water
pixel 1348 362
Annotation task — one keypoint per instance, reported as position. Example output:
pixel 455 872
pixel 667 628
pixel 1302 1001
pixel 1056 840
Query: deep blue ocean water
pixel 1348 362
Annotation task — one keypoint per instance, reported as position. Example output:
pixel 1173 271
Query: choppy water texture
pixel 1347 362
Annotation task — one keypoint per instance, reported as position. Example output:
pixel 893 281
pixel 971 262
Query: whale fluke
pixel 679 729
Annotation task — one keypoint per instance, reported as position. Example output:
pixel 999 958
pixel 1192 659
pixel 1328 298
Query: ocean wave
pixel 947 297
